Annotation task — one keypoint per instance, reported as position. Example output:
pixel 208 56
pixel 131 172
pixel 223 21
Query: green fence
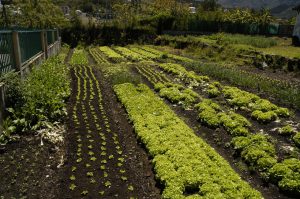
pixel 30 44
pixel 6 52
pixel 26 43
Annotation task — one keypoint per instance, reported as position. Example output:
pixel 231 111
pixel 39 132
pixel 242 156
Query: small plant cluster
pixel 290 131
pixel 95 52
pixel 92 136
pixel 112 55
pixel 79 57
pixel 130 55
pixel 176 93
pixel 214 89
pixel 262 110
pixel 211 114
pixel 259 151
pixel 182 161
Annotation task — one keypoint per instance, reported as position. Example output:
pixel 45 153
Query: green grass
pixel 254 41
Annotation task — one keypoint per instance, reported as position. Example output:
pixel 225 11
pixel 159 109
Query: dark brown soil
pixel 29 169
pixel 135 163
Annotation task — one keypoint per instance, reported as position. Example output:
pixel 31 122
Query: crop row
pixel 112 55
pixel 93 137
pixel 183 162
pixel 100 59
pixel 282 90
pixel 130 55
pixel 165 55
pixel 79 57
pixel 257 150
pixel 153 76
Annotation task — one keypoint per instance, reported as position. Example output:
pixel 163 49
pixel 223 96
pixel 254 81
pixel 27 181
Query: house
pixel 66 10
pixel 296 33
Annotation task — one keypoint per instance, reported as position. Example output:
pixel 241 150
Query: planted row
pixel 100 59
pixel 112 55
pixel 183 162
pixel 96 169
pixel 79 57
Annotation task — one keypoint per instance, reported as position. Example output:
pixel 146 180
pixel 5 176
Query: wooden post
pixel 44 42
pixel 2 106
pixel 17 51
pixel 57 34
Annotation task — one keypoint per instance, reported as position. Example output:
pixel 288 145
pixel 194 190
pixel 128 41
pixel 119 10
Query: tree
pixel 210 5
pixel 36 14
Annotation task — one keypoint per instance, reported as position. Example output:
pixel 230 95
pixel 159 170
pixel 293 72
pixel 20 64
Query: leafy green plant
pixel 296 139
pixel 287 130
pixel 180 158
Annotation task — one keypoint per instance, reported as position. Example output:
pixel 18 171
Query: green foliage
pixel 79 57
pixel 208 113
pixel 131 55
pixel 279 89
pixel 37 14
pixel 296 139
pixel 187 76
pixel 262 110
pixel 111 54
pixel 214 89
pixel 287 175
pixel 254 41
pixel 44 93
pixel 256 150
pixel 177 94
pixel 264 117
pixel 235 124
pixel 181 159
pixel 287 130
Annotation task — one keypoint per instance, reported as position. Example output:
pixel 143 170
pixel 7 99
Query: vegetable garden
pixel 145 122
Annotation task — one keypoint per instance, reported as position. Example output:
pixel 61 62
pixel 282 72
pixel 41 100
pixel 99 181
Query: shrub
pixel 287 175
pixel 296 139
pixel 287 130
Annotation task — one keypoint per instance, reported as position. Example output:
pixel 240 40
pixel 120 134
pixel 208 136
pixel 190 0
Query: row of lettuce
pixel 257 150
pixel 183 162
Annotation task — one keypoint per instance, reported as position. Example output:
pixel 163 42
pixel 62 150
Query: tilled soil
pixel 120 167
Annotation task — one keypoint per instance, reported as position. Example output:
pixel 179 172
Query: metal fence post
pixel 17 51
pixel 44 43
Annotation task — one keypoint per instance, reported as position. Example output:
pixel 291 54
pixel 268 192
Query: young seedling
pixel 72 187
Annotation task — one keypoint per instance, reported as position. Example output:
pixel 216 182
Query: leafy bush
pixel 235 124
pixel 287 175
pixel 44 93
pixel 287 130
pixel 177 94
pixel 264 117
pixel 296 139
pixel 208 113
pixel 257 150
pixel 214 89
